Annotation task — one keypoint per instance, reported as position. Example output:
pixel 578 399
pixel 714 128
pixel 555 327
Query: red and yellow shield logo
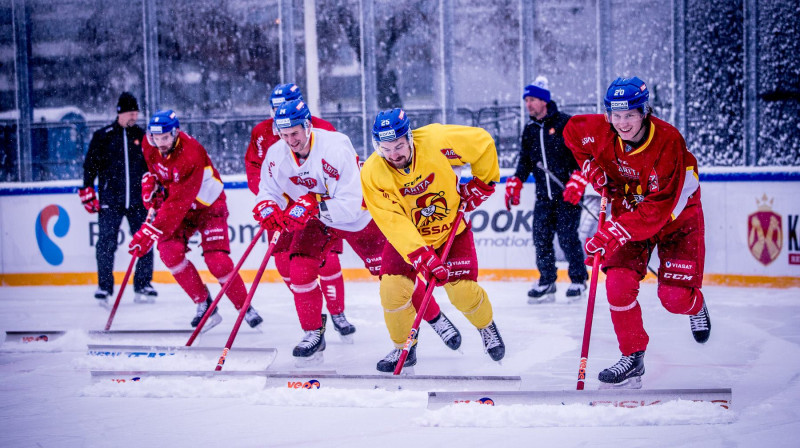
pixel 765 232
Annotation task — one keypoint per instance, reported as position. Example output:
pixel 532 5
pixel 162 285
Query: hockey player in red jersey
pixel 310 187
pixel 192 200
pixel 651 180
pixel 264 135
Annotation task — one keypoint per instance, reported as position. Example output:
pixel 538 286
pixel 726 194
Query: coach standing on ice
pixel 642 165
pixel 115 157
pixel 556 210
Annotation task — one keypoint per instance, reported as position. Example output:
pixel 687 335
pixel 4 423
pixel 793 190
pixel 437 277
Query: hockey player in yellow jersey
pixel 412 191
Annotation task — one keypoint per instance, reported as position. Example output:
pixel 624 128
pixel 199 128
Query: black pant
pixel 109 222
pixel 549 218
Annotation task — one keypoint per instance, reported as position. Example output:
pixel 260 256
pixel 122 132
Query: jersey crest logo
pixel 652 181
pixel 304 182
pixel 329 170
pixel 587 140
pixel 418 189
pixel 429 208
pixel 450 154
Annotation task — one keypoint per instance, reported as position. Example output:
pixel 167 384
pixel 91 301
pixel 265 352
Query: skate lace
pixel 490 337
pixel 201 308
pixel 444 328
pixel 339 320
pixel 393 356
pixel 623 365
pixel 310 339
pixel 699 322
pixel 250 314
pixel 576 287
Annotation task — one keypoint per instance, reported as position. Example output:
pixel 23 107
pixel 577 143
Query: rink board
pixel 623 398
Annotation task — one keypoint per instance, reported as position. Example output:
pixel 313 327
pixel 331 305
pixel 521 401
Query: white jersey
pixel 331 171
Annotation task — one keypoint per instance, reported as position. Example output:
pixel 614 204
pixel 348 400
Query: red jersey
pixel 189 178
pixel 650 185
pixel 261 138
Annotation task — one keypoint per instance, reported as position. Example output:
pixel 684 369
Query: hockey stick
pixel 591 213
pixel 224 288
pixel 587 328
pixel 247 301
pixel 151 214
pixel 428 293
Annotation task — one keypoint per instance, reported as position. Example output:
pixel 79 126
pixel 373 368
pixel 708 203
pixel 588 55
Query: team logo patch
pixel 450 154
pixel 329 170
pixel 304 181
pixel 765 232
pixel 652 181
pixel 418 189
pixel 429 208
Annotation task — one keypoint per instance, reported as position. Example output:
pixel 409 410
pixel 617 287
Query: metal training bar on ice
pixel 623 398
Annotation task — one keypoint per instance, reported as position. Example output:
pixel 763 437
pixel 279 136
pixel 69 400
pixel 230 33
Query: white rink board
pixel 503 242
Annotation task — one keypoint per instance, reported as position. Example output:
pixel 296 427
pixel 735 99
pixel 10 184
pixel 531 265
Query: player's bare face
pixel 397 152
pixel 128 119
pixel 297 139
pixel 629 124
pixel 536 108
pixel 163 142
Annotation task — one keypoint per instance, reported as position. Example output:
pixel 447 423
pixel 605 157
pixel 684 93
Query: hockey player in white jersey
pixel 310 184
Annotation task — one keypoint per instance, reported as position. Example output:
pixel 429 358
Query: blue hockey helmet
pixel 627 94
pixel 283 93
pixel 164 121
pixel 292 113
pixel 390 125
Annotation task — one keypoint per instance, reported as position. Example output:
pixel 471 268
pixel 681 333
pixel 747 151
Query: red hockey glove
pixel 427 263
pixel 305 208
pixel 607 240
pixel 152 195
pixel 269 215
pixel 513 189
pixel 89 199
pixel 143 240
pixel 595 175
pixel 474 193
pixel 575 188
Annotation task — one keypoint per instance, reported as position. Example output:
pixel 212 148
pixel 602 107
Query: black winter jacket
pixel 553 153
pixel 106 160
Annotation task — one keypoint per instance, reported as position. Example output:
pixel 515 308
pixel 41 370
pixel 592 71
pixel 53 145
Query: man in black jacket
pixel 115 157
pixel 556 210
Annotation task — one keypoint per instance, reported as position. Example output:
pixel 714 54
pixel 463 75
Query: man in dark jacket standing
pixel 115 157
pixel 556 210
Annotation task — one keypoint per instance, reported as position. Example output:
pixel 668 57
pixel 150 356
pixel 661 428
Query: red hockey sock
pixel 307 293
pixel 221 266
pixel 187 276
pixel 622 286
pixel 283 267
pixel 332 283
pixel 432 310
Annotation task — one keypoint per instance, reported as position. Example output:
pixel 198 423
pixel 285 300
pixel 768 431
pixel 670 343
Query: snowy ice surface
pixel 49 400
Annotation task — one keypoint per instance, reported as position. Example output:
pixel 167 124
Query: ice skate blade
pixel 103 303
pixel 631 383
pixel 346 338
pixel 141 298
pixel 547 298
pixel 212 322
pixel 310 361
pixel 574 299
pixel 407 371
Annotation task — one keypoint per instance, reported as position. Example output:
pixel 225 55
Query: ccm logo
pixel 678 276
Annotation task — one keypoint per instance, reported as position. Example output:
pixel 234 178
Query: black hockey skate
pixel 389 362
pixel 576 291
pixel 213 320
pixel 252 318
pixel 542 294
pixel 625 374
pixel 446 331
pixel 145 294
pixel 309 351
pixel 701 325
pixel 102 297
pixel 492 342
pixel 343 327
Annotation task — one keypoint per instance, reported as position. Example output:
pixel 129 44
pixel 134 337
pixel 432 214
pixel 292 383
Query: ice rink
pixel 49 399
